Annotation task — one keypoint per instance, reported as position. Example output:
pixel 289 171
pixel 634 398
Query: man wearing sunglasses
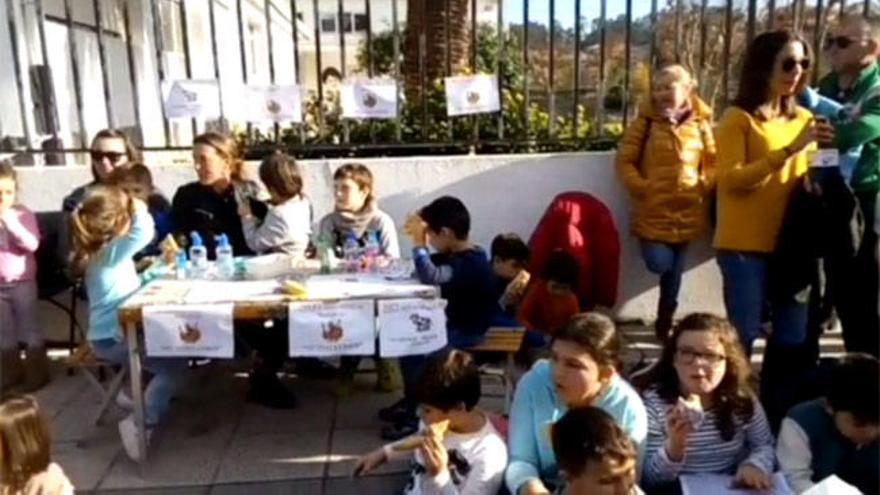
pixel 852 50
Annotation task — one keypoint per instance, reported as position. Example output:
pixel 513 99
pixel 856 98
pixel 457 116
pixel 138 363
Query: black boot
pixel 267 389
pixel 663 325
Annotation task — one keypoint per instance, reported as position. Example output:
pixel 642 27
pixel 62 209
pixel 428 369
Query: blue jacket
pixel 536 406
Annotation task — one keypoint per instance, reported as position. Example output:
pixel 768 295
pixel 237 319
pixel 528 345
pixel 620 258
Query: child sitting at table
pixel 458 450
pixel 108 228
pixel 288 225
pixel 549 303
pixel 594 455
pixel 838 434
pixel 137 182
pixel 510 256
pixel 26 465
pixel 462 271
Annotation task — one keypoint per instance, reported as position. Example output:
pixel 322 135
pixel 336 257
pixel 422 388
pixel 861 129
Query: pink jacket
pixel 19 240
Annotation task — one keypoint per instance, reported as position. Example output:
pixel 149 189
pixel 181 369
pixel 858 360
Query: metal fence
pixel 572 72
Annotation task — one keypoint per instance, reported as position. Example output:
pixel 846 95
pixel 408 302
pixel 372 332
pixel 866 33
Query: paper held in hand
pixel 467 95
pixel 189 331
pixel 191 99
pixel 411 326
pixel 323 329
pixel 722 484
pixel 369 99
pixel 273 103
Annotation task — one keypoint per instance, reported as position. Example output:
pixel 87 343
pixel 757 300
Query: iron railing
pixel 562 86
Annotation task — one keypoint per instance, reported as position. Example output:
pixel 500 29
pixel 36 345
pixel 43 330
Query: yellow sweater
pixel 754 178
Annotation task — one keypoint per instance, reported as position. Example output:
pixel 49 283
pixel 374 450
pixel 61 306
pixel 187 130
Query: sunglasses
pixel 842 42
pixel 112 156
pixel 789 64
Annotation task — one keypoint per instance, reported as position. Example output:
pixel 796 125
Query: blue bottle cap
pixel 196 239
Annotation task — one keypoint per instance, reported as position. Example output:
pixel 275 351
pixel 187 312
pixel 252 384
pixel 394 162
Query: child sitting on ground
pixel 550 301
pixel 26 465
pixel 108 228
pixel 288 225
pixel 837 434
pixel 137 182
pixel 510 256
pixel 462 271
pixel 594 455
pixel 459 451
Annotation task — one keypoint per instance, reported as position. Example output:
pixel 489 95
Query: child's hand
pixel 370 462
pixel 138 205
pixel 416 229
pixel 677 429
pixel 751 477
pixel 434 455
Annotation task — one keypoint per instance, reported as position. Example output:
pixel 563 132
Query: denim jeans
pixel 168 377
pixel 785 364
pixel 667 261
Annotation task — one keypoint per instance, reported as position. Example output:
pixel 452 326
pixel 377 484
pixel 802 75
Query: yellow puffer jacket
pixel 670 186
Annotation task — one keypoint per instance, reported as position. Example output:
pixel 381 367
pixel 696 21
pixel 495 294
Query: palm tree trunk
pixel 425 44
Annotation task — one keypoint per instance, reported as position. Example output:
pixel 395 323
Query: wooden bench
pixel 501 340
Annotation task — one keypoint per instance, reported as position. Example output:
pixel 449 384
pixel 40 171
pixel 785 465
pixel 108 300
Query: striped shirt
pixel 706 451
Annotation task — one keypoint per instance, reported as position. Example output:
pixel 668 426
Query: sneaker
pixel 267 390
pixel 393 433
pixel 123 401
pixel 397 412
pixel 128 433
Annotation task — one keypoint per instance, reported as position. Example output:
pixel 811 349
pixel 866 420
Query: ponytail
pixel 103 215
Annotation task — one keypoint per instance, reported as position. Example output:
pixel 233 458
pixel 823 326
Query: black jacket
pixel 824 226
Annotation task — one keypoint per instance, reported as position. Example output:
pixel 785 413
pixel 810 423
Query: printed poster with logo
pixel 467 95
pixel 191 99
pixel 323 329
pixel 189 331
pixel 411 326
pixel 369 99
pixel 273 103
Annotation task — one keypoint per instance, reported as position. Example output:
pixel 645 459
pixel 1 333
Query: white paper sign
pixel 466 95
pixel 191 98
pixel 320 329
pixel 411 326
pixel 189 331
pixel 833 485
pixel 369 99
pixel 273 103
pixel 721 484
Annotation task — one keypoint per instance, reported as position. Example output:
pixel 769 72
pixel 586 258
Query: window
pixel 361 23
pixel 328 24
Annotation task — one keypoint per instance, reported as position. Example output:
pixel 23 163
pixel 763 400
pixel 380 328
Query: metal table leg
pixel 137 391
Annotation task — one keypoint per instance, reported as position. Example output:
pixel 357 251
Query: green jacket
pixel 864 127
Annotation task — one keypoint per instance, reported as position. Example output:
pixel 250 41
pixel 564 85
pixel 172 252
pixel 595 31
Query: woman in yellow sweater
pixel 762 141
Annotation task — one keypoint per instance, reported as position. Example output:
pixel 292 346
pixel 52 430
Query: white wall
pixel 505 193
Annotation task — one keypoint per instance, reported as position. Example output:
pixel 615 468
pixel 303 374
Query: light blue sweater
pixel 536 406
pixel 111 277
pixel 835 113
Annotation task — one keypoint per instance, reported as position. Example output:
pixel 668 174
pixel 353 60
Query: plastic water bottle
pixel 198 256
pixel 372 250
pixel 324 254
pixel 350 252
pixel 180 264
pixel 225 258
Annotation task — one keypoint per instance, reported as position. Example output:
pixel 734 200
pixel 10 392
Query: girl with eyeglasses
pixel 702 414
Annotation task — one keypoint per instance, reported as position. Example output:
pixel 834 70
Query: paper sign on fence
pixel 189 331
pixel 273 103
pixel 369 99
pixel 467 95
pixel 411 326
pixel 344 328
pixel 191 98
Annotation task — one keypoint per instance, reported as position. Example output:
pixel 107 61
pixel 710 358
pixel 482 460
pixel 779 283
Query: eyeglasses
pixel 690 356
pixel 112 156
pixel 789 64
pixel 842 42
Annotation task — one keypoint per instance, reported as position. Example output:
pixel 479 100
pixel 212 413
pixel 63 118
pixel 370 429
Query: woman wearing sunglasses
pixel 702 414
pixel 111 149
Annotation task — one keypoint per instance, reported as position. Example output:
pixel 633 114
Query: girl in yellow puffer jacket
pixel 666 159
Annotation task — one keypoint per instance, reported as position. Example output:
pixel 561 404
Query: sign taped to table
pixel 321 329
pixel 411 326
pixel 189 331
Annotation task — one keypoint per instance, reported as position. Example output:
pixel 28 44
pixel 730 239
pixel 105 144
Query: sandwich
pixel 692 408
pixel 437 430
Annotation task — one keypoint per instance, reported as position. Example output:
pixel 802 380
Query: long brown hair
pixel 227 148
pixel 104 213
pixel 757 72
pixel 733 399
pixel 131 152
pixel 25 445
